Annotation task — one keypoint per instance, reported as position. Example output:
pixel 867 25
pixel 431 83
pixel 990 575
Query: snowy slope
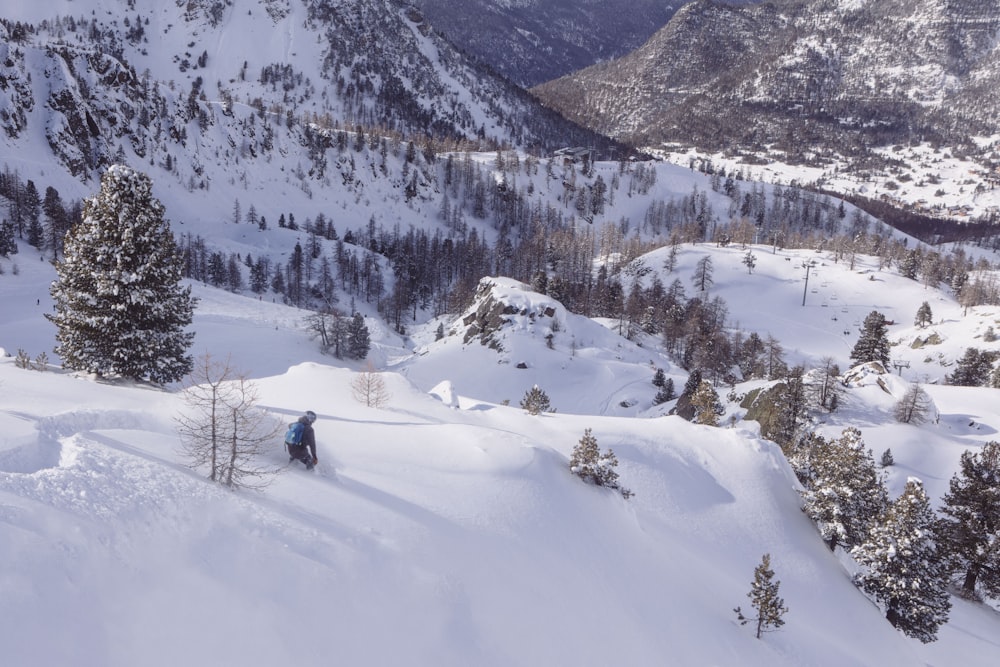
pixel 445 529
pixel 430 534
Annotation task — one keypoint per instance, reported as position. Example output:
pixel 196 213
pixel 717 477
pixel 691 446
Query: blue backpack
pixel 293 436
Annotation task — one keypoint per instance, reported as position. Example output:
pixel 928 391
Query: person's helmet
pixel 311 416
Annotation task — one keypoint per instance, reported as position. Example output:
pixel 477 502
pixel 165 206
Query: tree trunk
pixel 234 451
pixel 214 436
pixel 892 613
pixel 969 586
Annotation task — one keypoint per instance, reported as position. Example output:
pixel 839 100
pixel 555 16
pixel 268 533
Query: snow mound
pixel 445 393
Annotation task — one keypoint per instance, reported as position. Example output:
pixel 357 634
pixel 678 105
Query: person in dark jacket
pixel 306 451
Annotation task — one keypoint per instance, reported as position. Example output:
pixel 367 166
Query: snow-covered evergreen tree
pixel 589 464
pixel 666 392
pixel 973 369
pixel 924 315
pixel 765 599
pixel 8 242
pixel 844 494
pixel 903 567
pixel 887 458
pixel 119 307
pixel 358 337
pixel 970 529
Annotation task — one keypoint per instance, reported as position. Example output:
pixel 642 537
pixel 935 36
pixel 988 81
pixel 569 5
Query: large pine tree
pixel 873 343
pixel 904 569
pixel 973 369
pixel 844 494
pixel 120 310
pixel 970 528
pixel 358 337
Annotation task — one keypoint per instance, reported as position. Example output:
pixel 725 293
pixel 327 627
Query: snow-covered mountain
pixel 531 41
pixel 811 81
pixel 210 82
pixel 443 527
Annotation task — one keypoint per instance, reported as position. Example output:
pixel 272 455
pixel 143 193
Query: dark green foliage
pixel 764 597
pixel 31 206
pixel 692 383
pixel 887 458
pixel 924 315
pixel 36 234
pixel 684 407
pixel 666 392
pixel 904 569
pixel 8 244
pixel 843 492
pixel 973 369
pixel 119 306
pixel 873 343
pixel 970 527
pixel 57 221
pixel 358 337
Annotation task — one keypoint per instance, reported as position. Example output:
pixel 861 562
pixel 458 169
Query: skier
pixel 305 450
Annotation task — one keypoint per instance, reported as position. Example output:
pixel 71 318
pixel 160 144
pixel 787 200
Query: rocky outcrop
pixel 491 312
pixel 15 86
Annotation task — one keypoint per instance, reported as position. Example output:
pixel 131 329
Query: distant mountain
pixel 801 76
pixel 102 79
pixel 531 41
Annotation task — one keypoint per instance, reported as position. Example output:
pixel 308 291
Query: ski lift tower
pixel 807 265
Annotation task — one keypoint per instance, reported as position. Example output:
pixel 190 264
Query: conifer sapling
pixel 589 464
pixel 764 598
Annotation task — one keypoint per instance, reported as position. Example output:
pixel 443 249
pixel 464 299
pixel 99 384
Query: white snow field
pixel 445 528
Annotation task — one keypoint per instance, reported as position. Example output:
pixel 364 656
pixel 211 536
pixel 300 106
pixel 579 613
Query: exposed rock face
pixel 491 313
pixel 15 86
pixel 90 86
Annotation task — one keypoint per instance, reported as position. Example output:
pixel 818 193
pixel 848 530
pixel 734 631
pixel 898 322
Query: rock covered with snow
pixel 504 302
pixel 864 374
